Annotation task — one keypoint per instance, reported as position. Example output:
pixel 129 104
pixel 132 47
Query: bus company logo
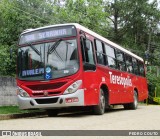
pixel 48 70
pixel 114 79
pixel 45 93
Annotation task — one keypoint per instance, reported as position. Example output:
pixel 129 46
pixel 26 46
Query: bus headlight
pixel 22 93
pixel 73 87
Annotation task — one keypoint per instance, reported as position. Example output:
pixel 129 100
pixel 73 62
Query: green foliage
pixel 15 110
pixel 128 23
pixel 133 23
pixel 7 60
pixel 16 16
pixel 153 81
pixel 88 13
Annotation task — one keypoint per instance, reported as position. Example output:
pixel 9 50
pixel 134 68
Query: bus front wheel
pixel 100 108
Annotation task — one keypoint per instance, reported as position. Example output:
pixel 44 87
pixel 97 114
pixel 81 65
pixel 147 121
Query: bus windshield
pixel 48 60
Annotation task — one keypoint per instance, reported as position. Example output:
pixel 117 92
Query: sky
pixel 158 1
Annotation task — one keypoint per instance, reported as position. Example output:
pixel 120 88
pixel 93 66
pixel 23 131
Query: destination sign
pixel 49 33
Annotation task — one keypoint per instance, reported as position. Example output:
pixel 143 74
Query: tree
pixel 16 16
pixel 131 23
pixel 85 12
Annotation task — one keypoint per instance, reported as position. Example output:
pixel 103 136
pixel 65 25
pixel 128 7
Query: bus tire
pixel 126 106
pixel 134 104
pixel 100 108
pixel 52 112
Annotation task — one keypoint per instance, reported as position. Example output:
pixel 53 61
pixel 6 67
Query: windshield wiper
pixel 35 49
pixel 53 49
pixel 54 46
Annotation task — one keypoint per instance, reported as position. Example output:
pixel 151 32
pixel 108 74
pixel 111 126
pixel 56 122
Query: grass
pixel 14 110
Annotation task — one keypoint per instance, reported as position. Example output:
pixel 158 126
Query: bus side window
pixel 141 69
pixel 135 66
pixel 87 53
pixel 129 65
pixel 100 52
pixel 120 60
pixel 110 52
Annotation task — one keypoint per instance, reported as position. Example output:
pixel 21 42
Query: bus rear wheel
pixel 134 104
pixel 100 108
pixel 52 112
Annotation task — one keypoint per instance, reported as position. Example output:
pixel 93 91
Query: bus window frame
pixel 115 59
pixel 87 65
pixel 105 62
pixel 142 63
pixel 123 61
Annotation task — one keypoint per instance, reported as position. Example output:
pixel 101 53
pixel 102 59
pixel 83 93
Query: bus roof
pixel 91 33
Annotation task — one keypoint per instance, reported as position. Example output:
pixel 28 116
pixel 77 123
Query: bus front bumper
pixel 74 99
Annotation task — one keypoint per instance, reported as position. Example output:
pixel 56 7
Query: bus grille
pixel 42 94
pixel 46 86
pixel 46 100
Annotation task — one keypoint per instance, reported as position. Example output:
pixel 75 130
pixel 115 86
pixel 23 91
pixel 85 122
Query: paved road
pixel 144 118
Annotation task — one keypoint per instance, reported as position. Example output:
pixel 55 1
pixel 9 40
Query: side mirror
pixel 88 66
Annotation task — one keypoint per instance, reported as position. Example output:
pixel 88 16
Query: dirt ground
pixel 144 118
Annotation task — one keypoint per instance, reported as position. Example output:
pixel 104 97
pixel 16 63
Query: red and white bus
pixel 69 65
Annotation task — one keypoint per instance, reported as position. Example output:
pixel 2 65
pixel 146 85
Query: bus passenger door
pixel 89 74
